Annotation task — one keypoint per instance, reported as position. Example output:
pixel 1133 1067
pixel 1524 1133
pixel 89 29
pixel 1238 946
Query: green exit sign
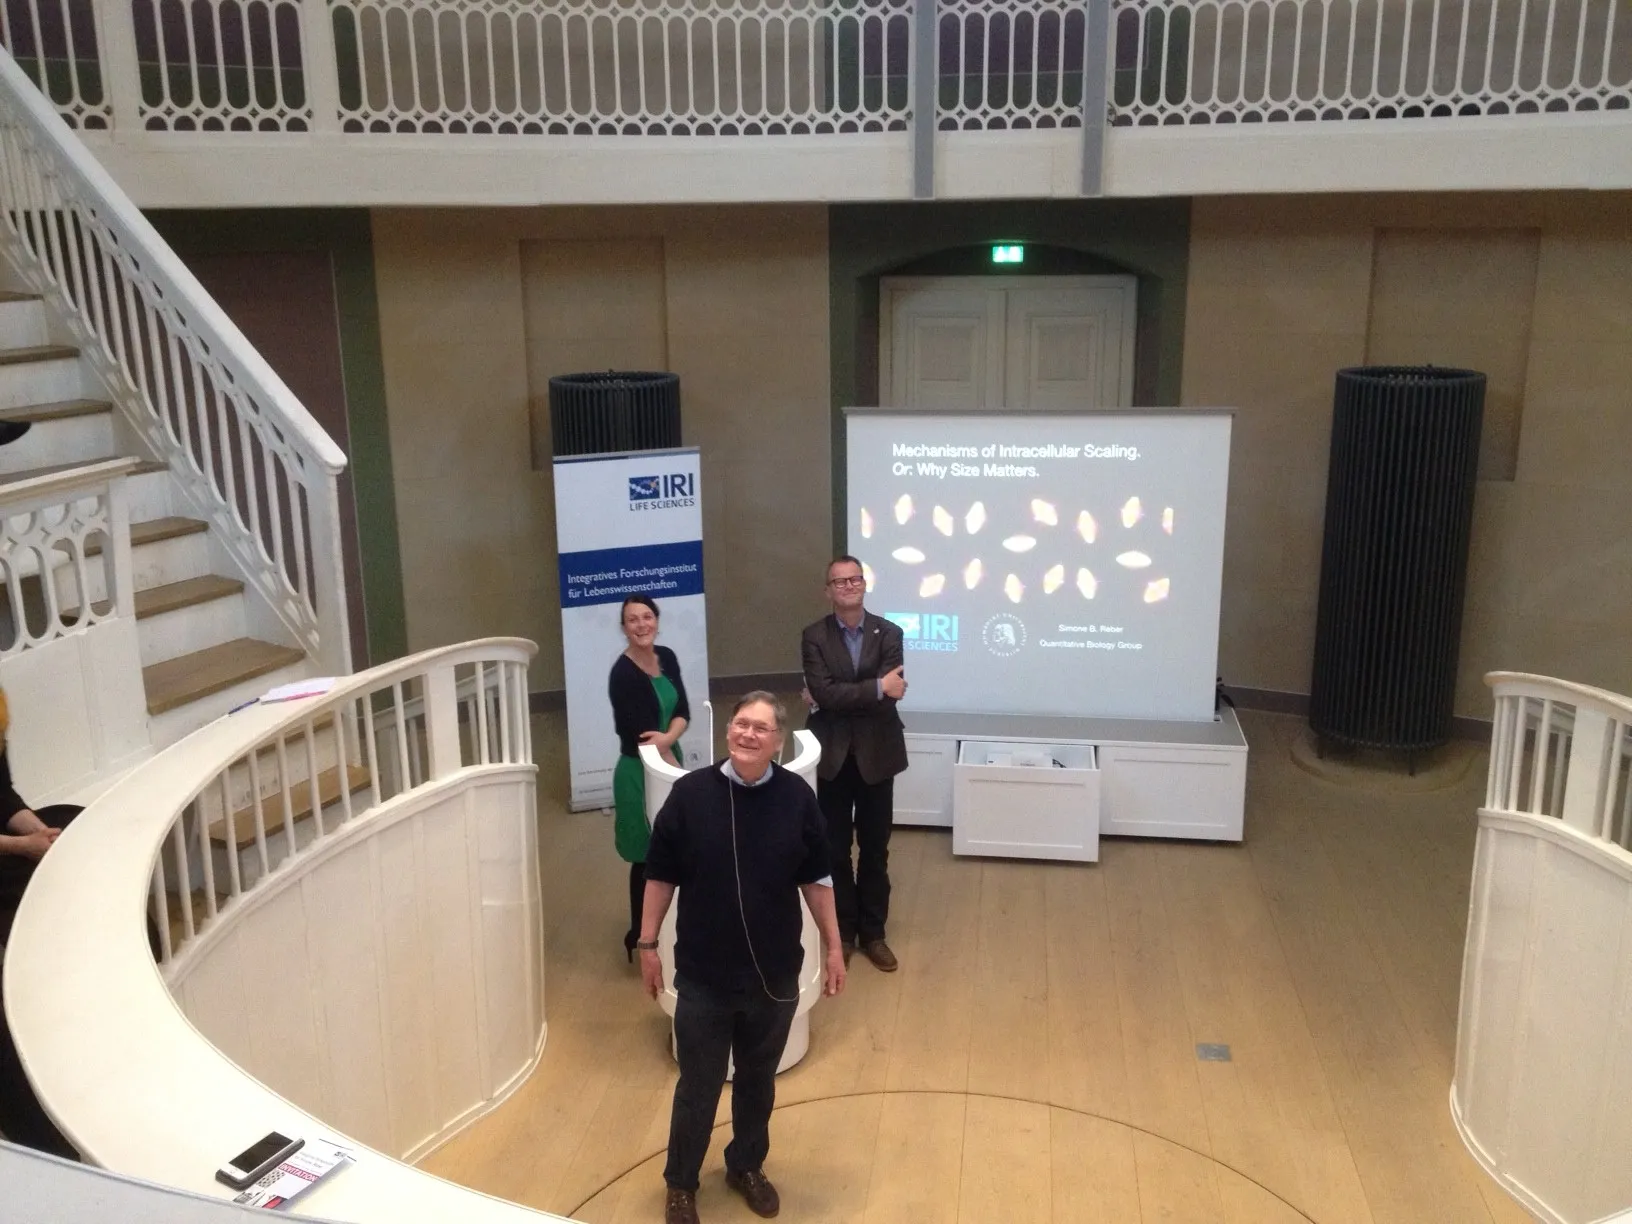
pixel 1011 253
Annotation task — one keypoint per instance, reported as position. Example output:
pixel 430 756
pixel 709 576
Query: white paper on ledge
pixel 314 686
pixel 315 1161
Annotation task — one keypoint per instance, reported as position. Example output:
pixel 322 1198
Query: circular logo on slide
pixel 1004 634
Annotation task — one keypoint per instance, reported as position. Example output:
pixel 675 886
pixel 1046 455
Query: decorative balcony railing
pixel 770 67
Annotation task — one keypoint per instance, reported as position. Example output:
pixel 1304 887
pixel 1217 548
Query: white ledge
pixel 1569 151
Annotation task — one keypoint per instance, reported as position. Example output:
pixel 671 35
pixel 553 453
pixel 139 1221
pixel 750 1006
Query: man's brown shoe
pixel 756 1190
pixel 680 1207
pixel 879 953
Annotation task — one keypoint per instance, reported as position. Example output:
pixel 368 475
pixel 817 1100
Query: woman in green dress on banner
pixel 648 707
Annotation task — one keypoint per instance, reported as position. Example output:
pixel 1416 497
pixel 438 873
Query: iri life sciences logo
pixel 671 491
pixel 936 631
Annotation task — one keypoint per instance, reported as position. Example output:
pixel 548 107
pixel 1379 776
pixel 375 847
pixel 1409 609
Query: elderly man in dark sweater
pixel 743 839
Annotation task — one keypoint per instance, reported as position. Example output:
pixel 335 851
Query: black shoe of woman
pixel 629 946
pixel 10 431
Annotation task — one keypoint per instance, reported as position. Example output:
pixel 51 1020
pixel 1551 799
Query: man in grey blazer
pixel 854 677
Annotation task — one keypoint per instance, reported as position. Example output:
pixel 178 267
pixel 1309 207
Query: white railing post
pixel 441 699
pixel 1589 763
pixel 319 66
pixel 124 581
pixel 328 571
pixel 121 66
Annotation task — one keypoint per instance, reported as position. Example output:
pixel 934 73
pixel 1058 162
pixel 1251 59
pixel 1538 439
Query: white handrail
pixel 244 450
pixel 134 1086
pixel 1562 750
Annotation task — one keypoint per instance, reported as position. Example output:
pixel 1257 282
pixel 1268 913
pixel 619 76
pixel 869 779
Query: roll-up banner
pixel 627 524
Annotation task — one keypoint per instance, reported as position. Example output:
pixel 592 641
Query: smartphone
pixel 253 1163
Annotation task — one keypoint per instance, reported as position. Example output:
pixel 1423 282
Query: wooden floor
pixel 1035 1058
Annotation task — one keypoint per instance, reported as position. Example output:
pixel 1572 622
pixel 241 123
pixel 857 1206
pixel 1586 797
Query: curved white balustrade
pixel 1543 1087
pixel 376 957
pixel 660 777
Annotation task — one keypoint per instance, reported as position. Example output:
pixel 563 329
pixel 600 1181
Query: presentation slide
pixel 1046 563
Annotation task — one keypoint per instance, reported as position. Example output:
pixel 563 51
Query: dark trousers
pixel 21 1116
pixel 709 1026
pixel 860 814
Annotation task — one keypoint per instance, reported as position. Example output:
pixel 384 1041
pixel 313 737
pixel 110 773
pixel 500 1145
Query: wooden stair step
pixel 172 596
pixel 61 410
pixel 143 468
pixel 154 531
pixel 37 352
pixel 187 593
pixel 189 677
pixel 170 527
pixel 300 802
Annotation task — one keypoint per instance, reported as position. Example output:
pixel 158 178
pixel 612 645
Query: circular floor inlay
pixel 927 1157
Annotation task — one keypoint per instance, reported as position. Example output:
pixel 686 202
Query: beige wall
pixel 1535 290
pixel 478 308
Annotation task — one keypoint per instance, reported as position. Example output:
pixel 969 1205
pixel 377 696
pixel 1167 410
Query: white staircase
pixel 198 655
pixel 170 523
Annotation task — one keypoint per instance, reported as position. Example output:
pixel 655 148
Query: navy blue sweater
pixel 780 842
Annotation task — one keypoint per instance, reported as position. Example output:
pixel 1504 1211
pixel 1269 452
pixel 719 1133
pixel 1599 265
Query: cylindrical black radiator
pixel 595 414
pixel 1393 566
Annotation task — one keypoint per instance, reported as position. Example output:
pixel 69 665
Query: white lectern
pixel 660 776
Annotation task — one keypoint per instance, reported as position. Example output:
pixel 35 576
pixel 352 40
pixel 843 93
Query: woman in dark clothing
pixel 648 707
pixel 25 838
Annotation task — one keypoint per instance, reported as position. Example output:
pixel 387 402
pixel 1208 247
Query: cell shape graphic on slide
pixel 867 576
pixel 922 526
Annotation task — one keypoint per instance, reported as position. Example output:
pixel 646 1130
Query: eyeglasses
pixel 744 727
pixel 857 581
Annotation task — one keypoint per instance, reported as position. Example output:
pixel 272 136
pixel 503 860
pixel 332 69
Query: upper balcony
pixel 213 103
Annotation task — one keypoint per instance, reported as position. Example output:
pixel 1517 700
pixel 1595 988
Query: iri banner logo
pixel 667 492
pixel 926 630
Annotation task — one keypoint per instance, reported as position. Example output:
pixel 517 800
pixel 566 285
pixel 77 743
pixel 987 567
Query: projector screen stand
pixel 1148 779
